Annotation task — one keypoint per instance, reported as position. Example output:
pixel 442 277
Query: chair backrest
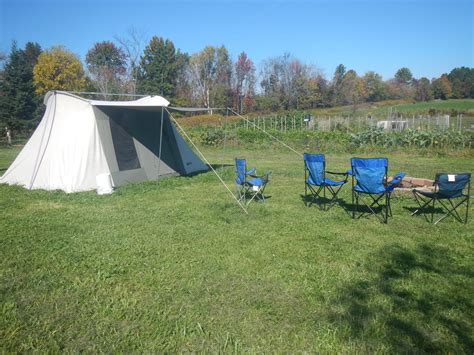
pixel 370 174
pixel 451 185
pixel 315 164
pixel 240 171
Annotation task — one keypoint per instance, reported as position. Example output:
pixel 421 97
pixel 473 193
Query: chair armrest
pixel 251 171
pixel 264 176
pixel 400 175
pixel 345 175
pixel 397 178
pixel 394 182
pixel 336 173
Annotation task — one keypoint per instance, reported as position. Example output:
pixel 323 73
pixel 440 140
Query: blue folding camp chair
pixel 449 188
pixel 253 187
pixel 316 181
pixel 369 178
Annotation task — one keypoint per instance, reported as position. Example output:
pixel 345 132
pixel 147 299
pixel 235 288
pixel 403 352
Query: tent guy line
pixel 268 134
pixel 207 161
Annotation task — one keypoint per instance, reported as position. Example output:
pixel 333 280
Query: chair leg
pixel 324 197
pixel 452 211
pixel 390 205
pixel 458 217
pixel 251 199
pixel 467 205
pixel 333 193
pixel 353 206
pixel 375 203
pixel 422 203
pixel 305 194
pixel 432 211
pixel 314 194
pixel 239 193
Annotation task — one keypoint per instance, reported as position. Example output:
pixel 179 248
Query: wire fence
pixel 350 123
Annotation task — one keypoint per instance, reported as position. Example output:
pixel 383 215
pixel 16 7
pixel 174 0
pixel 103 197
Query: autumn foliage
pixel 58 69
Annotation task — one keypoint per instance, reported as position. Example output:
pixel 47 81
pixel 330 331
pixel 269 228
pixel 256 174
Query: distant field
pixel 439 105
pixel 378 109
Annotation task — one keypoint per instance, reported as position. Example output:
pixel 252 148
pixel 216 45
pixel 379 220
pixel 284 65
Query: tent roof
pixel 147 101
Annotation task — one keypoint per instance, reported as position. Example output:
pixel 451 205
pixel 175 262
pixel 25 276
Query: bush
pixel 213 137
pixel 412 138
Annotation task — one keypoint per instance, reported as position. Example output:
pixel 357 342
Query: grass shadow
pixel 323 203
pixel 401 307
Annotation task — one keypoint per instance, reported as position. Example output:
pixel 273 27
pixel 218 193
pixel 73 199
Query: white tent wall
pixel 24 168
pixel 70 153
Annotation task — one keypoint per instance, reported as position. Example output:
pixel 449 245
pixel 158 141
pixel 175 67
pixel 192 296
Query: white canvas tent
pixel 79 139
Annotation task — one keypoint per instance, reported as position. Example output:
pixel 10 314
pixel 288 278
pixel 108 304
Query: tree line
pixel 207 78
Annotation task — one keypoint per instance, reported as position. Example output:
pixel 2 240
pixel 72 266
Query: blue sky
pixel 429 37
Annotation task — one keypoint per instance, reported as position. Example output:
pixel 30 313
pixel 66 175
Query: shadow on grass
pixel 218 166
pixel 431 214
pixel 418 301
pixel 323 203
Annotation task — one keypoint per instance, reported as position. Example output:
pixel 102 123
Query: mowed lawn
pixel 175 265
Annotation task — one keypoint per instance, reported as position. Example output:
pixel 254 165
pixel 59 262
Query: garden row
pixel 337 139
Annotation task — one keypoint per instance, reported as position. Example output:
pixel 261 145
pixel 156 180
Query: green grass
pixel 383 108
pixel 174 266
pixel 452 107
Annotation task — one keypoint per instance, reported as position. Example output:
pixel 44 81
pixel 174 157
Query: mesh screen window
pixel 124 146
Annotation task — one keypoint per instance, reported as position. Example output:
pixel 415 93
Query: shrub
pixel 412 138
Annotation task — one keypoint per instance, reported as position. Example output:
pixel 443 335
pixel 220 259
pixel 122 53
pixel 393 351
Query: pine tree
pixel 18 100
pixel 160 68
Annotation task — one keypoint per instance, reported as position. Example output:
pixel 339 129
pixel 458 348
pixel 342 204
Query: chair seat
pixel 256 181
pixel 437 195
pixel 327 182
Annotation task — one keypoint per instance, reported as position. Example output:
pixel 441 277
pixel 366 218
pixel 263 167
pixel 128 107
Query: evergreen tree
pixel 160 69
pixel 18 101
pixel 336 86
pixel 462 81
pixel 404 76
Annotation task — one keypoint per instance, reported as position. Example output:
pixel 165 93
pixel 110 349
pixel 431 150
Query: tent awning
pixel 148 101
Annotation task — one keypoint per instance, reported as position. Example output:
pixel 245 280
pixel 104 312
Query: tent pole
pixel 161 140
pixel 207 161
pixel 225 138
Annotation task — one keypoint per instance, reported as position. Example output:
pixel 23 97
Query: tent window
pixel 124 146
